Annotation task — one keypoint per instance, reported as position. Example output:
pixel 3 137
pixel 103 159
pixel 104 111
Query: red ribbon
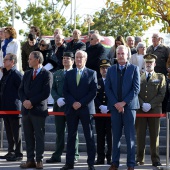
pixel 95 115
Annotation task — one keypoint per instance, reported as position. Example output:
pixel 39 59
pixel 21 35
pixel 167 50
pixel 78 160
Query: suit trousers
pixel 60 124
pixel 14 135
pixel 72 124
pixel 104 133
pixel 154 129
pixel 124 120
pixel 34 132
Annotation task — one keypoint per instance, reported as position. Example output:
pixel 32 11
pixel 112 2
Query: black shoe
pixel 99 162
pixel 52 160
pixel 156 164
pixel 109 162
pixel 67 167
pixel 139 163
pixel 9 154
pixel 14 158
pixel 91 167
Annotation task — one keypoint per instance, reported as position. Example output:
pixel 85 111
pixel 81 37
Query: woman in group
pixel 11 44
pixel 137 58
pixel 112 53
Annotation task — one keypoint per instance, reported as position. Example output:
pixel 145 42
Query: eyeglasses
pixel 91 39
pixel 43 45
pixel 5 59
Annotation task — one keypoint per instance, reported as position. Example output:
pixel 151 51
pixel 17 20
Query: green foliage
pixel 153 10
pixel 110 22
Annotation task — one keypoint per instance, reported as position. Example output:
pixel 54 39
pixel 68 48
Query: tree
pixel 152 11
pixel 110 23
pixel 45 14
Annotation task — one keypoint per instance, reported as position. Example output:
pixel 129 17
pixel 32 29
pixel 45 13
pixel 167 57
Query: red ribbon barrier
pixel 95 115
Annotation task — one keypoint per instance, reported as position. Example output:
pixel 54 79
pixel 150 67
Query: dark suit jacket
pixel 84 93
pixel 37 91
pixel 9 99
pixel 101 98
pixel 130 86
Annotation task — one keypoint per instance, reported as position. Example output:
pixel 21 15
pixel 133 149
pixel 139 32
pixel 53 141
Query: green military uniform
pixel 60 121
pixel 151 92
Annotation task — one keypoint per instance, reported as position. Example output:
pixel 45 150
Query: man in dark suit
pixel 122 88
pixel 76 43
pixel 80 88
pixel 59 106
pixel 153 87
pixel 34 91
pixel 9 101
pixel 103 124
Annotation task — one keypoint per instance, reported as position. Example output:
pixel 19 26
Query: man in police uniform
pixel 59 106
pixel 153 87
pixel 103 124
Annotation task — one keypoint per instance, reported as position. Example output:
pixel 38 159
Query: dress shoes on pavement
pixel 99 162
pixel 91 167
pixel 14 158
pixel 113 167
pixel 130 168
pixel 52 160
pixel 28 165
pixel 139 163
pixel 156 164
pixel 39 165
pixel 67 167
pixel 9 154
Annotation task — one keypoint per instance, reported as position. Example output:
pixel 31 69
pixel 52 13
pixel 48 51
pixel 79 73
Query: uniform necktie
pixel 35 74
pixel 78 77
pixel 149 75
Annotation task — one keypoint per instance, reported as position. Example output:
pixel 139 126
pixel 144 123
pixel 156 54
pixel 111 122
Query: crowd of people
pixel 81 79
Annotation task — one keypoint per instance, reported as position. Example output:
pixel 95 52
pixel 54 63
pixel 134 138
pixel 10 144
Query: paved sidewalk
pixel 81 165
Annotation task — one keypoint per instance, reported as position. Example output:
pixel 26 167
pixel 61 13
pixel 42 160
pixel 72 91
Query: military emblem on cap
pixel 104 62
pixel 150 57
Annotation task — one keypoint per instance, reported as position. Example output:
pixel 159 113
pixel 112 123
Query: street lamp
pixel 88 21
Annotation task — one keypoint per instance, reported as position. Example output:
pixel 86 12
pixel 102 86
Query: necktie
pixel 35 74
pixel 65 72
pixel 149 75
pixel 78 77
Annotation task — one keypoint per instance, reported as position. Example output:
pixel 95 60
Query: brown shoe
pixel 113 167
pixel 130 168
pixel 39 165
pixel 28 165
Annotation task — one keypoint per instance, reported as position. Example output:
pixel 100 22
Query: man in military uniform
pixel 59 105
pixel 153 87
pixel 103 124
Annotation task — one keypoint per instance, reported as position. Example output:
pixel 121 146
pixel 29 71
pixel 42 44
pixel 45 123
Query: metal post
pixel 75 14
pixel 167 144
pixel 13 12
pixel 2 133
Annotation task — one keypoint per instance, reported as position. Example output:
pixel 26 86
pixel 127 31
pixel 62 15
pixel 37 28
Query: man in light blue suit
pixel 122 88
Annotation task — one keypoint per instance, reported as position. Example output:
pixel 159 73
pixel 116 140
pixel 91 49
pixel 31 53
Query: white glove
pixel 48 66
pixel 103 109
pixel 146 107
pixel 60 102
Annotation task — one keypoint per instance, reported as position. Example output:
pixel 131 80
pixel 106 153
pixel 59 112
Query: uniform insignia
pixel 156 81
pixel 99 87
pixel 104 61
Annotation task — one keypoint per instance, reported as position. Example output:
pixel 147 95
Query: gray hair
pixel 122 47
pixel 141 44
pixel 59 31
pixel 130 37
pixel 84 54
pixel 12 57
pixel 38 55
pixel 46 41
pixel 79 32
pixel 97 36
pixel 60 35
pixel 138 39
